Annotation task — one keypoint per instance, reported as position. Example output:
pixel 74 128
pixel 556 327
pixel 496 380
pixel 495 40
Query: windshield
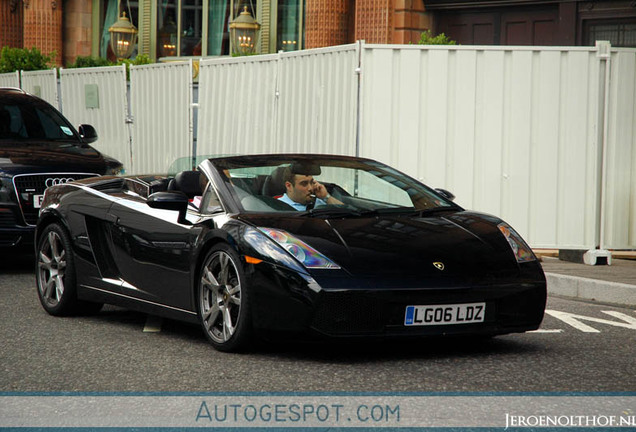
pixel 33 121
pixel 322 185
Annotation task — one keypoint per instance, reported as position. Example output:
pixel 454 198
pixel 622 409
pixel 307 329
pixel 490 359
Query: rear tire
pixel 223 300
pixel 56 275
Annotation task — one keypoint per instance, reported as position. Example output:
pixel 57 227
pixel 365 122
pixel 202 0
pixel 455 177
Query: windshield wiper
pixel 427 212
pixel 331 212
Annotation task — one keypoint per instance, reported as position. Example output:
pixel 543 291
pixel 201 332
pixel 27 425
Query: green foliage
pixel 13 59
pixel 85 62
pixel 427 38
pixel 141 59
pixel 244 55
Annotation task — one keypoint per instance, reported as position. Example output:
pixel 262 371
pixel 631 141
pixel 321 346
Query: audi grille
pixel 28 187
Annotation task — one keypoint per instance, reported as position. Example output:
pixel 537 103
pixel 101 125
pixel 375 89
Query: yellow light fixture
pixel 123 36
pixel 244 33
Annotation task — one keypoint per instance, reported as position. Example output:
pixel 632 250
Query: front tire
pixel 223 300
pixel 55 274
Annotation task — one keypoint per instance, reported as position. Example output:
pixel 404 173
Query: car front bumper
pixel 284 302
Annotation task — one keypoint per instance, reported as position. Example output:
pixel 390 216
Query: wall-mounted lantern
pixel 123 36
pixel 244 32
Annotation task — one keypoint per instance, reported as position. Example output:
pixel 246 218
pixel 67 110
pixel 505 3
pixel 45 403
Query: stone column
pixel 77 29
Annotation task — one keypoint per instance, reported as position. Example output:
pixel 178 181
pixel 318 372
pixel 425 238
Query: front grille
pixel 349 313
pixel 28 186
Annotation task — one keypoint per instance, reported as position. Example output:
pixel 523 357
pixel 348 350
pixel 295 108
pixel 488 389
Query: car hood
pixel 453 249
pixel 38 156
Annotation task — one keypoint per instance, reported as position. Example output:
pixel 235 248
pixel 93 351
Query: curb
pixel 591 289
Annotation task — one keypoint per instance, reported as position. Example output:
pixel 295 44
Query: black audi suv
pixel 39 148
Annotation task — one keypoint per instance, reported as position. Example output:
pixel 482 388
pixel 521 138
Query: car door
pixel 153 252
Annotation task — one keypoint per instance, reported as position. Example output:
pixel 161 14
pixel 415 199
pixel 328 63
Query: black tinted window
pixel 33 121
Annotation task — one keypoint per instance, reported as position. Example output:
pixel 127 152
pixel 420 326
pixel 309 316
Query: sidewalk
pixel 614 284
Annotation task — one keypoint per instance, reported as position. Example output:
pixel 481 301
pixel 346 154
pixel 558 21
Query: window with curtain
pixel 289 28
pixel 218 20
pixel 183 26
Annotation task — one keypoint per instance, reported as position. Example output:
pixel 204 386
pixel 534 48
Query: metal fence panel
pixel 161 106
pixel 10 79
pixel 317 101
pixel 620 223
pixel 510 130
pixel 237 105
pixel 42 84
pixel 97 96
pixel 289 102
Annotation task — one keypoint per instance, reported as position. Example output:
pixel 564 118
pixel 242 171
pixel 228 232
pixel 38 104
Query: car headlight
pixel 522 251
pixel 309 257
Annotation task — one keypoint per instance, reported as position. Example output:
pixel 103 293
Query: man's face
pixel 302 188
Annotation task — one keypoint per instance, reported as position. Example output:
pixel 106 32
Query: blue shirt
pixel 300 207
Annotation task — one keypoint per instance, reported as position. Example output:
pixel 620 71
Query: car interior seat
pixel 188 182
pixel 274 185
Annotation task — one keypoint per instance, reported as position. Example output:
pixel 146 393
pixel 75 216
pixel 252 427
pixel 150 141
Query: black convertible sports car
pixel 293 244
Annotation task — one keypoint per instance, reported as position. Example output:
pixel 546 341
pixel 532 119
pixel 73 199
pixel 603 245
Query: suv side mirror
pixel 87 133
pixel 176 201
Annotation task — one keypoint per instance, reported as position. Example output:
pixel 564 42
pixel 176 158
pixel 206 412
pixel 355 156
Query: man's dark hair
pixel 289 176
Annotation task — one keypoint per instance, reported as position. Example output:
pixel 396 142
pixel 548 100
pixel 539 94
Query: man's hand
pixel 320 191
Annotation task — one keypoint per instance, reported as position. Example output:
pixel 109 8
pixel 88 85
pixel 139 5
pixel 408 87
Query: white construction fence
pixel 544 137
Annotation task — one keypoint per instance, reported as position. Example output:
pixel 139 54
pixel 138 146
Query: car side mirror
pixel 176 201
pixel 87 133
pixel 446 194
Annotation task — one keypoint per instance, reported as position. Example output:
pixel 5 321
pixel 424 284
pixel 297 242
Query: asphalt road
pixel 590 352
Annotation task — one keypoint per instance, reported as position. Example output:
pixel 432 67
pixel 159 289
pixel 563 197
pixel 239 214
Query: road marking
pixel 547 331
pixel 153 324
pixel 575 320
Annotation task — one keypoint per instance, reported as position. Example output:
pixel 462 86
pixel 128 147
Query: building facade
pixel 171 29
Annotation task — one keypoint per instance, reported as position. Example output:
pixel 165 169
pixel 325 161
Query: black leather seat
pixel 274 184
pixel 188 182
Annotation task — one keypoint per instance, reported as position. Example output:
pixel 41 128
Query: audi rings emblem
pixel 57 181
pixel 438 265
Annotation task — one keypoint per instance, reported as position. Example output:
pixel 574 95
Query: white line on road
pixel 547 331
pixel 576 320
pixel 153 324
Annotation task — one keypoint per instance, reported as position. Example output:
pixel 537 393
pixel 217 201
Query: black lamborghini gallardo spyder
pixel 298 245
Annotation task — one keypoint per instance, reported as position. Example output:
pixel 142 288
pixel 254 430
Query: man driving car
pixel 302 191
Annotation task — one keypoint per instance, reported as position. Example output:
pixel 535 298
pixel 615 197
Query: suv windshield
pixel 325 185
pixel 33 121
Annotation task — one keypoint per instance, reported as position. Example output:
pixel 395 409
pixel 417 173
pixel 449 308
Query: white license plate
pixel 466 313
pixel 37 201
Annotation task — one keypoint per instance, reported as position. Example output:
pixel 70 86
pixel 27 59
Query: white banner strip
pixel 324 411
